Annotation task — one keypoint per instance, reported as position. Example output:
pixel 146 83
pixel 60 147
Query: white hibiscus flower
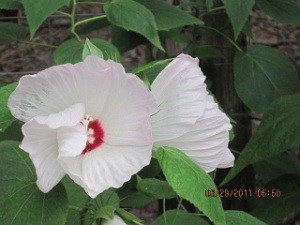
pixel 188 118
pixel 90 120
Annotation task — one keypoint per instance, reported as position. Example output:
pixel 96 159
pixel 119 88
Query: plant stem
pixel 164 210
pixel 88 20
pixel 227 38
pixel 213 10
pixel 64 13
pixel 37 43
pixel 73 207
pixel 73 20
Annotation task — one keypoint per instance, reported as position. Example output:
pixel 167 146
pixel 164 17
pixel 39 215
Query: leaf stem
pixel 73 207
pixel 64 13
pixel 88 20
pixel 164 211
pixel 226 37
pixel 213 10
pixel 37 43
pixel 73 20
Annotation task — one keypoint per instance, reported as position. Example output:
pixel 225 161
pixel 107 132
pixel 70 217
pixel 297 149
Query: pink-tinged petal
pixel 71 140
pixel 181 94
pixel 59 87
pixel 126 116
pixel 68 117
pixel 207 142
pixel 115 221
pixel 106 167
pixel 41 144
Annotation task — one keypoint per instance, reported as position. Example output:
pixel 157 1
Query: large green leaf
pixel 262 75
pixel 71 51
pixel 38 11
pixel 206 51
pixel 133 16
pixel 168 16
pixel 273 209
pixel 277 166
pixel 5 116
pixel 15 166
pixel 10 4
pixel 180 217
pixel 26 204
pixel 21 202
pixel 238 217
pixel 238 12
pixel 190 182
pixel 278 131
pixel 284 11
pixel 11 32
pixel 155 188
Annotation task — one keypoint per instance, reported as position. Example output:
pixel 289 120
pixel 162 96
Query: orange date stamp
pixel 243 193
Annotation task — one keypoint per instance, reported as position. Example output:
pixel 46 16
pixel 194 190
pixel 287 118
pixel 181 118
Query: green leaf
pixel 92 25
pixel 263 75
pixel 277 166
pixel 12 132
pixel 38 11
pixel 108 197
pixel 133 16
pixel 284 11
pixel 206 51
pixel 90 49
pixel 155 188
pixel 26 204
pixel 15 166
pixel 247 30
pixel 71 51
pixel 11 32
pixel 149 66
pixel 106 212
pixel 76 198
pixel 238 12
pixel 168 16
pixel 135 199
pixel 11 4
pixel 129 217
pixel 180 217
pixel 21 201
pixel 278 131
pixel 273 209
pixel 6 118
pixel 190 182
pixel 126 40
pixel 238 217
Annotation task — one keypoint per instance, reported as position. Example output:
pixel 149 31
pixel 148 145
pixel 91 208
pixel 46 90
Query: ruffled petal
pixel 115 221
pixel 106 167
pixel 207 142
pixel 41 144
pixel 181 94
pixel 59 87
pixel 68 117
pixel 71 140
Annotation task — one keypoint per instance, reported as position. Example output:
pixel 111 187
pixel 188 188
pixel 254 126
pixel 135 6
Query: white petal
pixel 126 116
pixel 57 88
pixel 71 140
pixel 106 167
pixel 181 94
pixel 68 117
pixel 115 221
pixel 207 142
pixel 41 144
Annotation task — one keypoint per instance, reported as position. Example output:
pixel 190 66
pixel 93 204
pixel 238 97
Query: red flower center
pixel 95 135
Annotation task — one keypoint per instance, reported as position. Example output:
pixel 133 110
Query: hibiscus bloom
pixel 89 120
pixel 188 118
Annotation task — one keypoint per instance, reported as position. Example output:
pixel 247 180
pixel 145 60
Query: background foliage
pixel 265 79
